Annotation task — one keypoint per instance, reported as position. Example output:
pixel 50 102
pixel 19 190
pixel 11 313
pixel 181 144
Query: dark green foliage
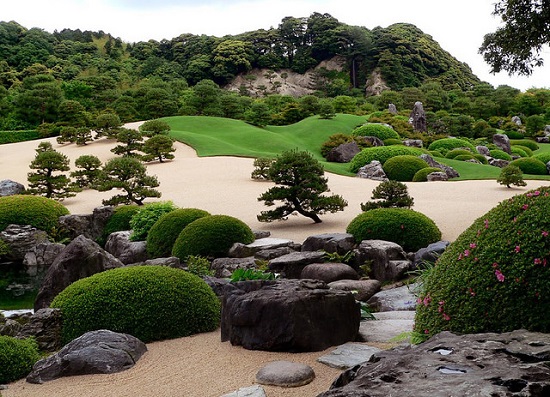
pixel 447 144
pixel 544 157
pixel 525 149
pixel 381 153
pixel 211 236
pixel 300 183
pixel 436 153
pixel 119 221
pixel 380 131
pixel 17 357
pixel 392 141
pixel 500 154
pixel 422 175
pixel 494 277
pixel 410 229
pixel 525 142
pixel 513 134
pixel 166 229
pixel 40 212
pixel 336 140
pixel 199 266
pixel 530 165
pixel 403 168
pixel 89 172
pixel 261 168
pixel 154 127
pixel 159 147
pixel 481 158
pixel 18 136
pixel 148 302
pixel 131 142
pixel 457 152
pixel 518 151
pixel 107 124
pixel 144 219
pixel 511 175
pixel 389 194
pixel 251 274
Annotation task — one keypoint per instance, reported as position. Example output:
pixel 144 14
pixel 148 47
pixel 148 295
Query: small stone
pixel 348 355
pixel 252 391
pixel 285 374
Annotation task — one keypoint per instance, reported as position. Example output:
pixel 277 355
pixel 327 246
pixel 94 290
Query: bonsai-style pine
pixel 159 147
pixel 154 127
pixel 131 141
pixel 300 184
pixel 389 194
pixel 511 175
pixel 107 124
pixel 88 172
pixel 128 174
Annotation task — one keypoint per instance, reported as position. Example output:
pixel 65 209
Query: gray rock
pixel 430 253
pixel 291 265
pixel 88 225
pixel 373 141
pixel 272 253
pixel 21 239
pixel 437 177
pixel 392 108
pixel 542 139
pixel 171 261
pixel 119 245
pixel 414 143
pixel 373 170
pixel 507 364
pixel 516 120
pixel 547 130
pixel 240 250
pixel 81 258
pixel 450 171
pixel 224 267
pixel 395 299
pixel 362 290
pixel 503 142
pixel 330 242
pixel 216 284
pixel 329 272
pixel 9 327
pixel 40 257
pixel 483 150
pixel 288 315
pixel 252 391
pixel 387 326
pixel 258 234
pixel 343 153
pixel 96 352
pixel 285 374
pixel 418 118
pixel 10 188
pixel 388 261
pixel 500 163
pixel 348 355
pixel 45 327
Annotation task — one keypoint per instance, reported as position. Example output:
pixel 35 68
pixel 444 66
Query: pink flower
pixel 472 293
pixel 537 261
pixel 517 249
pixel 426 331
pixel 524 206
pixel 427 300
pixel 473 245
pixel 536 193
pixel 495 265
pixel 466 252
pixel 544 233
pixel 460 256
pixel 446 317
pixel 499 275
pixel 486 222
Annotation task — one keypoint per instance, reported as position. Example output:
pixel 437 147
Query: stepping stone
pixel 348 355
pixel 387 326
pixel 401 298
pixel 252 391
pixel 285 374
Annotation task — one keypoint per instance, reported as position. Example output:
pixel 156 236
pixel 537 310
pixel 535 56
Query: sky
pixel 459 27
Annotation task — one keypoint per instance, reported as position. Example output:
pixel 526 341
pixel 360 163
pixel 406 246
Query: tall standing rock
pixel 418 118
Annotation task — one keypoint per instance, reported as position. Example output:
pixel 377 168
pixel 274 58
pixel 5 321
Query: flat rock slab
pixel 401 298
pixel 285 374
pixel 269 242
pixel 252 391
pixel 348 355
pixel 387 326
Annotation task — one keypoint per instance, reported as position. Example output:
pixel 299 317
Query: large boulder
pixel 21 239
pixel 291 265
pixel 503 142
pixel 430 253
pixel 96 352
pixel 507 364
pixel 450 171
pixel 288 315
pixel 119 245
pixel 10 188
pixel 417 118
pixel 362 289
pixel 373 171
pixel 39 258
pixel 437 177
pixel 340 243
pixel 394 299
pixel 81 258
pixel 88 225
pixel 45 327
pixel 343 153
pixel 240 250
pixel 388 261
pixel 224 267
pixel 329 272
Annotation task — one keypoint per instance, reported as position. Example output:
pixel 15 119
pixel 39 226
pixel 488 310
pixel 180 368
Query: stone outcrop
pixel 362 289
pixel 373 170
pixel 392 108
pixel 224 267
pixel 343 153
pixel 96 352
pixel 450 171
pixel 240 250
pixel 39 258
pixel 119 245
pixel 418 118
pixel 88 225
pixel 500 163
pixel 340 243
pixel 10 188
pixel 329 272
pixel 394 299
pixel 388 261
pixel 21 239
pixel 507 364
pixel 483 150
pixel 430 253
pixel 291 265
pixel 414 143
pixel 45 327
pixel 81 258
pixel 437 177
pixel 288 315
pixel 372 141
pixel 503 142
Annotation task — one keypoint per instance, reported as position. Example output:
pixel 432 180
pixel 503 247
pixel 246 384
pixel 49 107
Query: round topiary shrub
pixel 403 168
pixel 435 153
pixel 148 302
pixel 380 131
pixel 445 145
pixel 17 356
pixel 211 236
pixel 494 277
pixel 516 150
pixel 513 134
pixel 500 154
pixel 544 157
pixel 422 175
pixel 146 216
pixel 525 142
pixel 381 153
pixel 525 149
pixel 464 157
pixel 458 152
pixel 40 212
pixel 391 141
pixel 119 221
pixel 410 229
pixel 530 165
pixel 165 231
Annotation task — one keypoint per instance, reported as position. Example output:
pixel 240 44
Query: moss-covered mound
pixel 544 157
pixel 380 131
pixel 166 230
pixel 410 229
pixel 422 175
pixel 119 221
pixel 530 165
pixel 458 152
pixel 148 302
pixel 525 142
pixel 445 145
pixel 382 154
pixel 17 356
pixel 495 276
pixel 211 236
pixel 500 154
pixel 403 168
pixel 40 212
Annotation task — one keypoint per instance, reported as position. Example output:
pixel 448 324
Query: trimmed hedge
pixel 17 357
pixel 119 221
pixel 457 152
pixel 167 228
pixel 464 157
pixel 422 175
pixel 144 219
pixel 525 142
pixel 18 136
pixel 380 131
pixel 481 158
pixel 530 165
pixel 381 153
pixel 513 134
pixel 148 302
pixel 500 154
pixel 392 141
pixel 524 148
pixel 410 229
pixel 518 151
pixel 403 168
pixel 544 157
pixel 494 277
pixel 211 236
pixel 447 144
pixel 40 212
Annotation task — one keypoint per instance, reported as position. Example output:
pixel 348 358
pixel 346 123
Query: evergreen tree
pixel 131 142
pixel 154 127
pixel 158 147
pixel 390 194
pixel 511 175
pixel 89 171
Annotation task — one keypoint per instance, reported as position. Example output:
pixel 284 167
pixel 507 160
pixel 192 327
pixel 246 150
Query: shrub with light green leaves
pixel 525 142
pixel 17 357
pixel 119 221
pixel 382 154
pixel 422 175
pixel 494 277
pixel 500 154
pixel 544 157
pixel 458 152
pixel 379 131
pixel 144 219
pixel 528 151
pixel 530 165
pixel 445 145
pixel 148 302
pixel 403 168
pixel 40 212
pixel 465 157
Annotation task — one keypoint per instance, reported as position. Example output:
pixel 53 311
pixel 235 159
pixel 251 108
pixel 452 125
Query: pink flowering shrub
pixel 496 276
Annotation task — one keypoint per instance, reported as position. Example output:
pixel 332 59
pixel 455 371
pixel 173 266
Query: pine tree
pixel 158 147
pixel 511 175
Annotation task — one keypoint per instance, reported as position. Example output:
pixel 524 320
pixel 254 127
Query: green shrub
pixel 511 175
pixel 500 154
pixel 389 194
pixel 518 151
pixel 435 153
pixel 119 221
pixel 251 274
pixel 525 142
pixel 333 142
pixel 530 165
pixel 410 229
pixel 447 144
pixel 513 134
pixel 403 168
pixel 211 236
pixel 144 219
pixel 17 356
pixel 165 231
pixel 458 152
pixel 391 142
pixel 525 149
pixel 494 277
pixel 261 168
pixel 481 158
pixel 381 153
pixel 422 175
pixel 379 131
pixel 544 157
pixel 18 136
pixel 199 266
pixel 464 157
pixel 148 302
pixel 40 212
